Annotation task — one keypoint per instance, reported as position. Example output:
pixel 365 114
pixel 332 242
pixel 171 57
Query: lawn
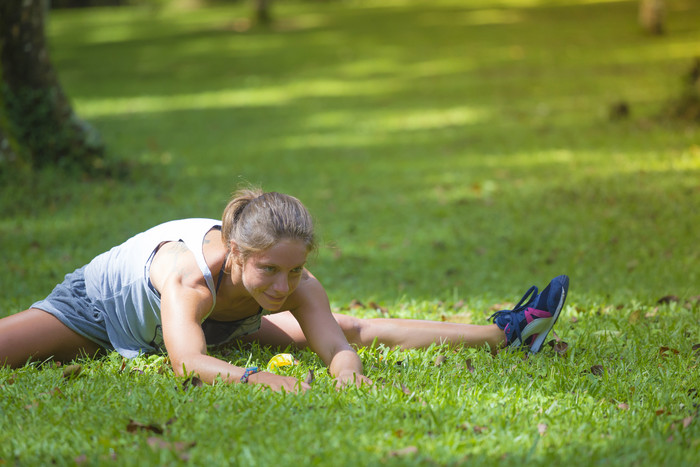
pixel 453 154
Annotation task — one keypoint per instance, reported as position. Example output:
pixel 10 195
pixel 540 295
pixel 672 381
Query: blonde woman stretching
pixel 190 284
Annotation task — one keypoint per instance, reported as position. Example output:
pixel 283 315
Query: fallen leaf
pixel 687 421
pixel 542 428
pixel 134 426
pixel 479 429
pixel 398 433
pixel 634 316
pixel 407 451
pixel 623 406
pixel 559 347
pixel 191 382
pixel 404 389
pixel 470 367
pixel 667 299
pixel 81 459
pixel 598 370
pixel 56 392
pixel 663 350
pixel 439 360
pixel 574 319
pixel 354 304
pixel 696 350
pixel 31 406
pixel 660 412
pixel 71 371
pixel 373 305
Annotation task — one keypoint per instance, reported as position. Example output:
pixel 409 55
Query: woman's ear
pixel 235 253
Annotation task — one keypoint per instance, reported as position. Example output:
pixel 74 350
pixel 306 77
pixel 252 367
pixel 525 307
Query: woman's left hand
pixel 349 377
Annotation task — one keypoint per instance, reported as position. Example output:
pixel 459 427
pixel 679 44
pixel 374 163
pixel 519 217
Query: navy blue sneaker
pixel 534 315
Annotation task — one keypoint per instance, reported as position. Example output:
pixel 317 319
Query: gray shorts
pixel 70 304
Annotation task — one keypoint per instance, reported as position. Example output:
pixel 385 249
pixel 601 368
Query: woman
pixel 188 284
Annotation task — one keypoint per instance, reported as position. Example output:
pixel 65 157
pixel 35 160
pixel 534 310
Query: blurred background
pixel 451 151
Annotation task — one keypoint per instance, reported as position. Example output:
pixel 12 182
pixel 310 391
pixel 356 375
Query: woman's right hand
pixel 278 382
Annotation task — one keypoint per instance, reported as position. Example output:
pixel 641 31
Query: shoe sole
pixel 542 335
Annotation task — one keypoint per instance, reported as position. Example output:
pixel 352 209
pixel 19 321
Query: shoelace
pixel 522 304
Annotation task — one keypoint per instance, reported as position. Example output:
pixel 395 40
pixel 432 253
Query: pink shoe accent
pixel 532 313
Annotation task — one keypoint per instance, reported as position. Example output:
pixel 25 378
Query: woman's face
pixel 270 276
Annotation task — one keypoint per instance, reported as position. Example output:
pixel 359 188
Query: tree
pixel 651 16
pixel 37 124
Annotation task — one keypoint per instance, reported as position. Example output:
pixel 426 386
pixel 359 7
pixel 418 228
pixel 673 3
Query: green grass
pixel 453 154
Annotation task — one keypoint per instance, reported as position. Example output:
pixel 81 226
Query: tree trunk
pixel 37 124
pixel 651 16
pixel 263 16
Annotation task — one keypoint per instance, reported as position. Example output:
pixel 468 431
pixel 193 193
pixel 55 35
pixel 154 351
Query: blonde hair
pixel 255 221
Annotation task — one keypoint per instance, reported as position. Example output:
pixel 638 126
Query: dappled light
pixel 452 154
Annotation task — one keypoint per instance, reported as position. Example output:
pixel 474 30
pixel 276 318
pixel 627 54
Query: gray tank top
pixel 118 283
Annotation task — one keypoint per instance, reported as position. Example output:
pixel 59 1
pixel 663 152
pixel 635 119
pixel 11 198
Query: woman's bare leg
pixel 37 335
pixel 282 329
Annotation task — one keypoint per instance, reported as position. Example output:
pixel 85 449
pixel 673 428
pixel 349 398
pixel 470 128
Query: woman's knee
pixel 35 334
pixel 352 327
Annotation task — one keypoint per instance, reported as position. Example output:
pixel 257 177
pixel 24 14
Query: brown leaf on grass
pixel 404 389
pixel 479 429
pixel 134 426
pixel 398 433
pixel 71 371
pixel 81 459
pixel 634 316
pixel 375 306
pixel 31 406
pixel 192 382
pixel 574 319
pixel 623 406
pixel 696 350
pixel 542 428
pixel 560 347
pixel 309 377
pixel 687 421
pixel 661 412
pixel 667 299
pixel 598 370
pixel 355 304
pixel 470 367
pixel 439 360
pixel 407 451
pixel 652 313
pixel 664 351
pixel 56 392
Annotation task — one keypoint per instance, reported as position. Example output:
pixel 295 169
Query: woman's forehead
pixel 285 252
